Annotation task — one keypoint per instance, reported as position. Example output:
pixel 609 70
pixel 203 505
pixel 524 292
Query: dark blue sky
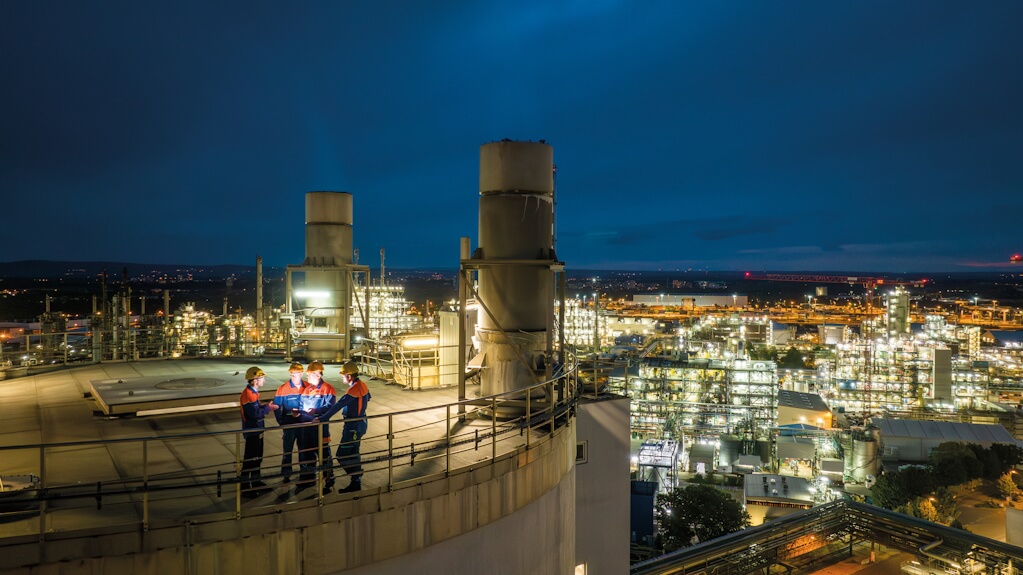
pixel 856 136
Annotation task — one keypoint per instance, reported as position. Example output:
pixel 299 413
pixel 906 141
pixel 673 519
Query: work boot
pixel 355 485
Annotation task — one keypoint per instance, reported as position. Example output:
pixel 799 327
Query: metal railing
pixel 794 540
pixel 167 479
pixel 37 351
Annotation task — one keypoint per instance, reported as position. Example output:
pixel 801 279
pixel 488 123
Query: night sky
pixel 817 136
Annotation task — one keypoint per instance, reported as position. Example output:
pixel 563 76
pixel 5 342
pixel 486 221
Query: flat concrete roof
pixel 768 487
pixel 59 407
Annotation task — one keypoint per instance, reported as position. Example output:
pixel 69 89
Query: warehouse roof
pixel 800 400
pixel 948 430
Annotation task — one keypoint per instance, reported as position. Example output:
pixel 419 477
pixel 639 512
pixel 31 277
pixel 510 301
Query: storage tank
pixel 864 459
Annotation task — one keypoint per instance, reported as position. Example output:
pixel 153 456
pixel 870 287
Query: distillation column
pixel 516 248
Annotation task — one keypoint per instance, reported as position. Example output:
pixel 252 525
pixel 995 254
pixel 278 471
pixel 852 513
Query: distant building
pixel 691 300
pixel 768 496
pixel 913 440
pixel 897 314
pixel 797 407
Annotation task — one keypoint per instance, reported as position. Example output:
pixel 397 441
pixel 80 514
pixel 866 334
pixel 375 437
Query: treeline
pixel 924 490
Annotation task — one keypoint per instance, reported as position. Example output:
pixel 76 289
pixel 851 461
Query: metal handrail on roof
pixel 455 442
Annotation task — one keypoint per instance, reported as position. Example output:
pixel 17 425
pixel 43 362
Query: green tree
pixel 688 515
pixel 1006 486
pixel 917 481
pixel 989 459
pixel 955 463
pixel 762 351
pixel 895 489
pixel 945 503
pixel 1009 455
pixel 927 511
pixel 888 491
pixel 793 359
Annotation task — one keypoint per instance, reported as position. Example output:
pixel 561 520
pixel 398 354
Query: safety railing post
pixel 238 474
pixel 447 444
pixel 529 412
pixel 319 462
pixel 493 430
pixel 145 485
pixel 390 450
pixel 552 411
pixel 42 489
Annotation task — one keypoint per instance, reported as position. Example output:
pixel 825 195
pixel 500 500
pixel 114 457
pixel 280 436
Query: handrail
pixel 442 448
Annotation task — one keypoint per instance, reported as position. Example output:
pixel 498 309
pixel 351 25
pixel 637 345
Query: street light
pixel 596 324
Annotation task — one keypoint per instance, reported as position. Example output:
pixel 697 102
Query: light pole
pixel 596 324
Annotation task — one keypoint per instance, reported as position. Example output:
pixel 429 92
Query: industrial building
pixel 768 496
pixel 807 408
pixel 909 440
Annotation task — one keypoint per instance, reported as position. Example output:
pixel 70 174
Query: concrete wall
pixel 1014 526
pixel 910 448
pixel 515 515
pixel 603 486
pixel 790 415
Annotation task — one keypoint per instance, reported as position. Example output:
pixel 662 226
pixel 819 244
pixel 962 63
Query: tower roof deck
pixel 106 473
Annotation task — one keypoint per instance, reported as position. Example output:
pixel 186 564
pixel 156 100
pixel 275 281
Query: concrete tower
pixel 320 290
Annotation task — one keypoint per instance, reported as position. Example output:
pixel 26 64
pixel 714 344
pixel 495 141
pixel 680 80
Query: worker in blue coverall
pixel 317 397
pixel 352 406
pixel 289 398
pixel 253 413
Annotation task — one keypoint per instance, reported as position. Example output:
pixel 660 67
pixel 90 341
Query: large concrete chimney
pixel 321 287
pixel 328 229
pixel 516 237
